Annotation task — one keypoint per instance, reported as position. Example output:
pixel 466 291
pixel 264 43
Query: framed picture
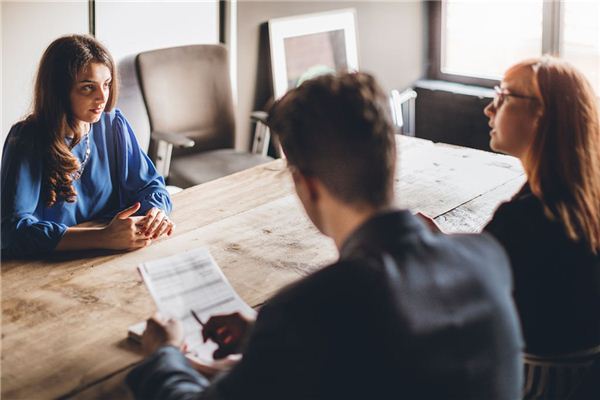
pixel 305 46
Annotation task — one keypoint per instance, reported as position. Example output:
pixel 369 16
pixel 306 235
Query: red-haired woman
pixel 546 114
pixel 74 160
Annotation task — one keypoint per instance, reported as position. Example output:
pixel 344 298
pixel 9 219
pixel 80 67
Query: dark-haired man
pixel 403 313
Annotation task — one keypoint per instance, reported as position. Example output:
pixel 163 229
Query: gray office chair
pixel 403 110
pixel 187 93
pixel 131 103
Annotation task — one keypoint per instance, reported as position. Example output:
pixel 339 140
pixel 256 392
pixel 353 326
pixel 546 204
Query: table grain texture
pixel 65 318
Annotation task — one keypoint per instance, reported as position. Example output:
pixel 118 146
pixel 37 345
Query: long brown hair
pixel 564 157
pixel 52 114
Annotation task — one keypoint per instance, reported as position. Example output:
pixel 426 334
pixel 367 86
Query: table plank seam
pixel 88 385
pixel 478 196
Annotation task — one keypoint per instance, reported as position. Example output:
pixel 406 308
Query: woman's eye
pixel 87 88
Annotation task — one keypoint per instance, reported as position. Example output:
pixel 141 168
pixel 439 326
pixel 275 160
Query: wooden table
pixel 65 319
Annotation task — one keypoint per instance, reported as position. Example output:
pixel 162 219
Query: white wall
pixel 27 29
pixel 129 27
pixel 391 45
pixel 1 82
pixel 125 27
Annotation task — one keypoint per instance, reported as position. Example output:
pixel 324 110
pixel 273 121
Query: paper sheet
pixel 192 281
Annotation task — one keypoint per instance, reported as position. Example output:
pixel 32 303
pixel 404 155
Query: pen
pixel 222 334
pixel 197 318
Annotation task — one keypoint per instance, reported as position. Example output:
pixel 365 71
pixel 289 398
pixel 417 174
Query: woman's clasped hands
pixel 127 231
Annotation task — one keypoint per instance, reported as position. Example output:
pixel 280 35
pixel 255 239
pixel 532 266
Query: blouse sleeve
pixel 23 234
pixel 137 176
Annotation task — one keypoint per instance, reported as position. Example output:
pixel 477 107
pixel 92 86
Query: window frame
pixel 551 27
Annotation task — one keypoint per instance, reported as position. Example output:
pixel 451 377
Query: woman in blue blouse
pixel 74 160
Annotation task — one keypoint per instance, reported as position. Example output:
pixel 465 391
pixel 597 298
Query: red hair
pixel 564 158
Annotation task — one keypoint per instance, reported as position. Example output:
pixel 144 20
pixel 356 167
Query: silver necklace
pixel 77 174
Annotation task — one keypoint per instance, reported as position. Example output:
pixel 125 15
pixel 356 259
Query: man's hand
pixel 162 332
pixel 228 331
pixel 156 223
pixel 433 227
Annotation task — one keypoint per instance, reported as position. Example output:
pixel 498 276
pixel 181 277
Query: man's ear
pixel 309 185
pixel 312 184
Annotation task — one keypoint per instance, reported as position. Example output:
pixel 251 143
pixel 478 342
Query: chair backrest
pixel 187 90
pixel 131 101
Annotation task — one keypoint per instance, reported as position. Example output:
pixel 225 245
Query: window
pixel 580 38
pixel 474 42
pixel 480 39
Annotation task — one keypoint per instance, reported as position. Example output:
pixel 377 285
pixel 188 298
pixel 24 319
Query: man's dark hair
pixel 338 129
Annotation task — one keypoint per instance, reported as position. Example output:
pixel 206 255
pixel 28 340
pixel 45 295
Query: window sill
pixel 456 88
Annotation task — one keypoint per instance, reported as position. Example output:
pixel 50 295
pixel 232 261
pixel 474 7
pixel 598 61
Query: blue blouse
pixel 117 175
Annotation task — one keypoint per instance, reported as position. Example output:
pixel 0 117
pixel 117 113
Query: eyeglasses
pixel 502 94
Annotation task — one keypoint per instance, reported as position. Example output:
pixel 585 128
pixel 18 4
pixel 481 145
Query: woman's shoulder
pixel 21 135
pixel 110 118
pixel 524 209
pixel 523 202
pixel 21 128
pixel 22 149
pixel 116 129
pixel 114 125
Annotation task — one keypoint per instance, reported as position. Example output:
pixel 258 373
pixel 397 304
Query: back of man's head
pixel 338 129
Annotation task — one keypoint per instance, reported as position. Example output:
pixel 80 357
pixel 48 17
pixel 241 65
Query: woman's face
pixel 515 112
pixel 90 93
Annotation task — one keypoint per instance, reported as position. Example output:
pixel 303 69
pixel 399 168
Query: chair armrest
pixel 176 139
pixel 259 116
pixel 405 96
pixel 400 102
pixel 262 134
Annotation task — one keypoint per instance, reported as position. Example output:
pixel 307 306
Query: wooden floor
pixel 65 319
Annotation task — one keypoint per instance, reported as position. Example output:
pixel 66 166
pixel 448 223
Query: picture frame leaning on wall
pixel 305 46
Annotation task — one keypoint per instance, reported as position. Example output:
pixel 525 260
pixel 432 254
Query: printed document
pixel 192 281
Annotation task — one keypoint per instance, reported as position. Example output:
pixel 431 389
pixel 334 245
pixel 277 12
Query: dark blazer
pixel 404 313
pixel 556 280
